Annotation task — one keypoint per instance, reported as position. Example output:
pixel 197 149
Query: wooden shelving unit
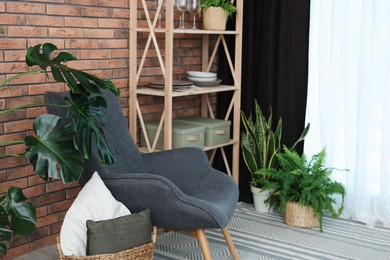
pixel 166 65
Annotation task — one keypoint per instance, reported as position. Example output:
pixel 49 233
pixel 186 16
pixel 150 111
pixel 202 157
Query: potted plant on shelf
pixel 260 145
pixel 55 151
pixel 216 13
pixel 303 188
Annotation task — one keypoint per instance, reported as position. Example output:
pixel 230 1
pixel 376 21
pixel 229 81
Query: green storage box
pixel 183 135
pixel 217 131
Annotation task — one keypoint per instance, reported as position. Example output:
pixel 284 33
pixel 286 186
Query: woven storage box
pixel 214 18
pixel 300 216
pixel 144 252
pixel 183 135
pixel 217 131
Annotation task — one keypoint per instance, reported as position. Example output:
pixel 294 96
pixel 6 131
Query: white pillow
pixel 94 202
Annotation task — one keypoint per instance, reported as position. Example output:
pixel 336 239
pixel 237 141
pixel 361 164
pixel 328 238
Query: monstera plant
pixel 56 150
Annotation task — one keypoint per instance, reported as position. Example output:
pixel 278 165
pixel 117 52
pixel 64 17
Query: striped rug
pixel 265 236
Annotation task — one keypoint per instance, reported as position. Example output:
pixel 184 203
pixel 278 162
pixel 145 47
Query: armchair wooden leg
pixel 229 242
pixel 204 244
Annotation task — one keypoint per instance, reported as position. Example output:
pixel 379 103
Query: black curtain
pixel 274 67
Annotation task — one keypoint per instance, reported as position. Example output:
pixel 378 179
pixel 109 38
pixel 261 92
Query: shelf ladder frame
pixel 167 71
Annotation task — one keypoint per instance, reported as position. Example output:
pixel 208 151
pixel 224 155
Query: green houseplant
pixel 55 151
pixel 260 145
pixel 226 5
pixel 216 13
pixel 305 183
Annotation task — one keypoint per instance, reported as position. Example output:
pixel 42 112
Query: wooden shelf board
pixel 188 31
pixel 203 90
pixel 144 149
pixel 206 148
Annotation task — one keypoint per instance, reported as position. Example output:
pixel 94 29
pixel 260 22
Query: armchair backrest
pixel 128 158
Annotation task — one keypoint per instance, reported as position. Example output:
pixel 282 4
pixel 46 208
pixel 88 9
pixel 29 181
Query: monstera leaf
pixel 5 232
pixel 52 148
pixel 88 116
pixel 78 81
pixel 17 217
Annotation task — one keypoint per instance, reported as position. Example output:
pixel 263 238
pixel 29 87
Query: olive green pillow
pixel 118 234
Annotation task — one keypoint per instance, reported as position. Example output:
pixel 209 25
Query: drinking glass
pixel 181 5
pixel 156 3
pixel 194 8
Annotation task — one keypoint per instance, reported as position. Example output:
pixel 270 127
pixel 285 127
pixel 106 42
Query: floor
pixel 46 253
pixel 265 236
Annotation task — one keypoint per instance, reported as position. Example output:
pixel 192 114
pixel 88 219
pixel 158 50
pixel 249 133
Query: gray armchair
pixel 179 186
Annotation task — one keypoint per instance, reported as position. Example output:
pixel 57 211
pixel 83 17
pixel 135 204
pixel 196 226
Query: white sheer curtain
pixel 349 100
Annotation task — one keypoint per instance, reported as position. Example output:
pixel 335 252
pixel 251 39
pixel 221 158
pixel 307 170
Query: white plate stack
pixel 203 79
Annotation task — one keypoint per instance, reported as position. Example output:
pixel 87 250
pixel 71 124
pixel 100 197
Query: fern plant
pixel 304 181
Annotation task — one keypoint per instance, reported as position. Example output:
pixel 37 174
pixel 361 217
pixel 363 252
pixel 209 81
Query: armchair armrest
pixel 138 191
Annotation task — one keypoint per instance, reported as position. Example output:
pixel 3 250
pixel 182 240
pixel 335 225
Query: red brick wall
pixel 95 31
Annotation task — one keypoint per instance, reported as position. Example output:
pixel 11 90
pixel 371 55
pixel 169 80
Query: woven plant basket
pixel 215 18
pixel 144 252
pixel 300 216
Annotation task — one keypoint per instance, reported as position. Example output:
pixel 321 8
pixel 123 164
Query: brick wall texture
pixel 96 32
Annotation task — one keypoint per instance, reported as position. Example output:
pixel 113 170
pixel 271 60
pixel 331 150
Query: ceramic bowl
pixel 202 74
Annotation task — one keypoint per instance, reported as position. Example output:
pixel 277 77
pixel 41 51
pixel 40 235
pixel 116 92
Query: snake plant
pixel 260 143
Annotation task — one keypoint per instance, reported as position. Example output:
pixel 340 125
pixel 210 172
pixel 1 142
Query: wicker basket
pixel 300 216
pixel 214 18
pixel 144 252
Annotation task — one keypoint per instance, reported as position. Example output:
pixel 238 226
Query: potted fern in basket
pixel 303 188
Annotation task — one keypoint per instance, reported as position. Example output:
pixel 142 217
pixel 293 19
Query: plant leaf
pixel 51 148
pixel 88 116
pixel 3 248
pixel 41 56
pixel 249 159
pixel 76 80
pixel 23 215
pixel 4 221
pixel 70 79
pixel 303 135
pixel 57 75
pixel 103 84
pixel 32 55
pixel 63 57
